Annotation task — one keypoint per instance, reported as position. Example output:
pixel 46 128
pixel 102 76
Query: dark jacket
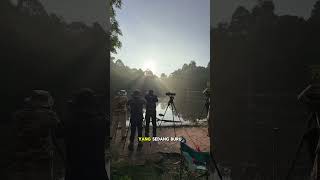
pixel 85 147
pixel 85 139
pixel 136 105
pixel 151 102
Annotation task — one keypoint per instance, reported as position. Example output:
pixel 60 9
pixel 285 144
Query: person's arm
pixel 126 102
pixel 47 118
pixel 128 105
pixel 113 104
pixel 144 102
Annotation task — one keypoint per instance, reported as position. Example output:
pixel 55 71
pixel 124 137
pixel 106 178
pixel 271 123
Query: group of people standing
pixel 39 152
pixel 74 146
pixel 121 105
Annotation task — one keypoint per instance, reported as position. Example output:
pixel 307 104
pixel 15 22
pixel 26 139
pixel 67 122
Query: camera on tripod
pixel 311 97
pixel 170 94
pixel 206 92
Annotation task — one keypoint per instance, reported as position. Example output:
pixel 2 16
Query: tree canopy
pixel 115 28
pixel 261 62
pixel 42 51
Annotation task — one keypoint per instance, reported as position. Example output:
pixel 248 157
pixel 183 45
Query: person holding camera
pixel 136 105
pixel 35 125
pixel 119 113
pixel 151 112
pixel 85 137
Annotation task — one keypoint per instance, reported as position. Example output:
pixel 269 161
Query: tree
pixel 258 64
pixel 119 63
pixel 115 31
pixel 163 76
pixel 193 64
pixel 315 13
pixel 240 15
pixel 185 67
pixel 240 19
pixel 264 8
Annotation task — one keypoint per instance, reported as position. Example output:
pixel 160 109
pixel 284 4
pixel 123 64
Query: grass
pixel 167 169
pixel 125 171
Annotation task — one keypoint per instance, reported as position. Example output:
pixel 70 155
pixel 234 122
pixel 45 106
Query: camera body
pixel 170 94
pixel 206 92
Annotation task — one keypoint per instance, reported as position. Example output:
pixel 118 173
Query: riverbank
pixel 156 160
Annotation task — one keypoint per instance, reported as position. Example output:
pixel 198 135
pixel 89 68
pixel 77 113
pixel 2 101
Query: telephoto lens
pixel 170 94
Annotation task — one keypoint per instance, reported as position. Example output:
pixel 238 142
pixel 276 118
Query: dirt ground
pixel 195 136
pixel 156 160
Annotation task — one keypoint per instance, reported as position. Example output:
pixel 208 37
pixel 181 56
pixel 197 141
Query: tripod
pixel 313 118
pixel 174 110
pixel 127 132
pixel 205 107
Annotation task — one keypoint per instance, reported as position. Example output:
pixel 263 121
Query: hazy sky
pixel 168 32
pixel 162 35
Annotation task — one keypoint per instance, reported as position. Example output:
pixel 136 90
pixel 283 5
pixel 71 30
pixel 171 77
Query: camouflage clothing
pixel 119 114
pixel 34 126
pixel 119 104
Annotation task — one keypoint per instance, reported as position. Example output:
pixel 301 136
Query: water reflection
pixel 188 112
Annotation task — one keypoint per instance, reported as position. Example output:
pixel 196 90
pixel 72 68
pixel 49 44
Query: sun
pixel 149 64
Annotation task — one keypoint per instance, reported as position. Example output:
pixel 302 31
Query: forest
pixel 189 76
pixel 261 61
pixel 41 51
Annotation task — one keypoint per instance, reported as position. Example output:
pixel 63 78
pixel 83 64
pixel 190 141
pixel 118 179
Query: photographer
pixel 85 138
pixel 136 105
pixel 35 128
pixel 119 113
pixel 206 92
pixel 151 113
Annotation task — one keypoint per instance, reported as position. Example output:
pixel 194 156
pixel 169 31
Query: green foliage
pixel 115 29
pixel 190 76
pixel 43 51
pixel 261 62
pixel 315 13
pixel 125 178
pixel 125 171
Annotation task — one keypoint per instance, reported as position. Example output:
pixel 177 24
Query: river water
pixel 188 113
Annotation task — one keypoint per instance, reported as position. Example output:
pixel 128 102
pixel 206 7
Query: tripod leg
pixel 114 127
pixel 200 115
pixel 52 164
pixel 299 148
pixel 317 119
pixel 295 159
pixel 163 116
pixel 216 166
pixel 124 144
pixel 318 145
pixel 174 124
pixel 315 170
pixel 175 109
